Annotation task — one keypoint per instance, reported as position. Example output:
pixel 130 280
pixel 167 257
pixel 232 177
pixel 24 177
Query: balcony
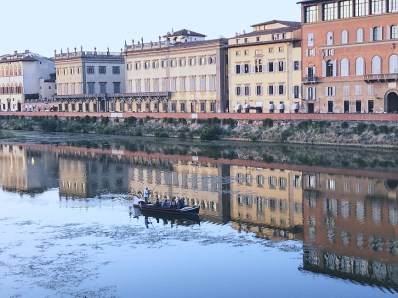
pixel 311 80
pixel 381 78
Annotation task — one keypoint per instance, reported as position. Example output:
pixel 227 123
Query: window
pixel 137 65
pixel 213 107
pixel 360 66
pixel 344 67
pixel 281 49
pixel 138 85
pixel 360 35
pixel 155 64
pixel 102 87
pixel 376 65
pixel 296 91
pixel 330 11
pixel 330 91
pixel 238 90
pixel 361 8
pixel 311 93
pixel 259 90
pixel 310 39
pixel 270 66
pixel 116 69
pixel 345 9
pixel 90 70
pixel 270 89
pixel 173 84
pixel 147 64
pixel 203 107
pixel 247 90
pixel 330 68
pixel 393 64
pixel 211 60
pixel 329 38
pixel 90 87
pixel 247 68
pixel 296 65
pixel 182 107
pixel 344 37
pixel 393 5
pixel 258 65
pixel 237 69
pixel 281 89
pixel 212 83
pixel 378 6
pixel 376 34
pixel 202 82
pixel 182 62
pixel 311 14
pixel 116 87
pixel 281 66
pixel 358 90
pixel 393 32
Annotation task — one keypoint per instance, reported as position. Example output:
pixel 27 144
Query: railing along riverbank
pixel 236 116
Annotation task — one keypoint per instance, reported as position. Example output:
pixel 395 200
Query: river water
pixel 275 221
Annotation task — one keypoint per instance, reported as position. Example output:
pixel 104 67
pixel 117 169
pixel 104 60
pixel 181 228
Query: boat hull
pixel 186 211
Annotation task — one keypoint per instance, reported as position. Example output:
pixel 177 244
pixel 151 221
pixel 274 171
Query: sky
pixel 43 26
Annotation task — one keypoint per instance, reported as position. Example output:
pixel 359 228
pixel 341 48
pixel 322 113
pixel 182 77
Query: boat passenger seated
pixel 157 203
pixel 173 203
pixel 180 203
pixel 164 203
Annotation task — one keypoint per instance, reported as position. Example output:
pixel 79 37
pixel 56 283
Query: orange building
pixel 350 56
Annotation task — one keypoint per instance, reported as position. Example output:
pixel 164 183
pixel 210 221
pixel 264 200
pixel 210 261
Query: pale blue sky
pixel 43 25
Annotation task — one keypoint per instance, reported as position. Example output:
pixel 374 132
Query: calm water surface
pixel 274 222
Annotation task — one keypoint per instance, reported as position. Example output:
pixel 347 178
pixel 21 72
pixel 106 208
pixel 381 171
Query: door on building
pixel 392 103
pixel 9 106
pixel 311 108
pixel 346 106
pixel 19 107
pixel 370 106
pixel 330 106
pixel 358 106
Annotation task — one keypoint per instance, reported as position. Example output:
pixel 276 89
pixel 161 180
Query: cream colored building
pixel 264 69
pixel 87 81
pixel 267 202
pixel 22 77
pixel 182 72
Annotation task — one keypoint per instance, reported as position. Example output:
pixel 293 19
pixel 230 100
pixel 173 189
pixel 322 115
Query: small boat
pixel 154 209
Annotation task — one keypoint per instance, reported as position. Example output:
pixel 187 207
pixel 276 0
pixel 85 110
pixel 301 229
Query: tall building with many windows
pixel 182 72
pixel 23 77
pixel 350 56
pixel 87 81
pixel 264 69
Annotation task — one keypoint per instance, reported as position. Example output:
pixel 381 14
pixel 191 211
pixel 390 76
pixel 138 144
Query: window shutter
pixel 389 32
pixel 380 31
pixel 323 68
pixel 371 34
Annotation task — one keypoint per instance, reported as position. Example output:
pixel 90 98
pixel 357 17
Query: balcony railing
pixel 381 77
pixel 311 80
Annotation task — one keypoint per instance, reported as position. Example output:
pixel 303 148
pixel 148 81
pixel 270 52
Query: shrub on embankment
pixel 268 130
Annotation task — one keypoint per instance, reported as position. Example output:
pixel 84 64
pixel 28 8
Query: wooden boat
pixel 151 208
pixel 154 209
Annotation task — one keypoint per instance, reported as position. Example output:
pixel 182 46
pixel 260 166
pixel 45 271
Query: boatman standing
pixel 146 195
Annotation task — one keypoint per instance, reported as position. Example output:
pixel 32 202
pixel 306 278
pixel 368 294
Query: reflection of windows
pixel 331 184
pixel 360 212
pixel 260 180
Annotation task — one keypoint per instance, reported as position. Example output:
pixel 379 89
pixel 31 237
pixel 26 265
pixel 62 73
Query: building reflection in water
pixel 351 225
pixel 27 171
pixel 346 218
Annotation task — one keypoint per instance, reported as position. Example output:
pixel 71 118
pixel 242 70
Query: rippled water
pixel 68 229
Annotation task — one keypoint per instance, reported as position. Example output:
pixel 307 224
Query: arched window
pixel 360 35
pixel 344 67
pixel 393 64
pixel 393 32
pixel 360 66
pixel 376 65
pixel 329 40
pixel 344 37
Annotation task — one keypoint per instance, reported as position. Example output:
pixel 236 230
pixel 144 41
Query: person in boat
pixel 173 203
pixel 157 202
pixel 164 203
pixel 146 195
pixel 180 203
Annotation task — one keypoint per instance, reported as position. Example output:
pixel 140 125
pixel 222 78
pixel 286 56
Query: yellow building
pixel 265 201
pixel 182 72
pixel 264 69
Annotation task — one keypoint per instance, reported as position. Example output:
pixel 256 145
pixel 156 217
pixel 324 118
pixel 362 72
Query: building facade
pixel 21 76
pixel 182 72
pixel 264 69
pixel 350 60
pixel 88 81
